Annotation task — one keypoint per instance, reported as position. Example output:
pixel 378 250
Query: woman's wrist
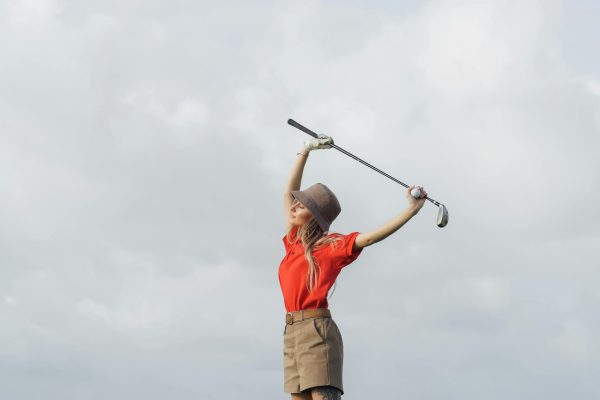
pixel 303 153
pixel 413 210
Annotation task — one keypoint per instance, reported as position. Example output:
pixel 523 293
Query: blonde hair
pixel 313 238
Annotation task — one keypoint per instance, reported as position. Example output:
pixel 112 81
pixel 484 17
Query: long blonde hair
pixel 313 238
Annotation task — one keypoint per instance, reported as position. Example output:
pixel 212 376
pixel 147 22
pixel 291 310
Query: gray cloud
pixel 144 150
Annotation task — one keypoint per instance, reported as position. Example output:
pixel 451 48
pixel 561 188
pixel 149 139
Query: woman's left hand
pixel 416 204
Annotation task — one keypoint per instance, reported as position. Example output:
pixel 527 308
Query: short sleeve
pixel 343 254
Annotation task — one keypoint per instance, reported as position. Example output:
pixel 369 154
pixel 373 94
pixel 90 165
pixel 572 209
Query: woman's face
pixel 299 214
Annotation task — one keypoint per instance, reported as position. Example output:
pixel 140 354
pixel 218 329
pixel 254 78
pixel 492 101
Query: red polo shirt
pixel 294 267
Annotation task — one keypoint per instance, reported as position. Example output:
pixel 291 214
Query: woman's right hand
pixel 323 142
pixel 416 204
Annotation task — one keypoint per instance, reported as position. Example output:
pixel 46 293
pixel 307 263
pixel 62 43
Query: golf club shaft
pixel 313 134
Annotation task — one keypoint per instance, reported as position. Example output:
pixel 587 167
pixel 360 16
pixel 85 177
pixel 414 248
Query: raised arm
pixel 369 238
pixel 295 179
pixel 293 183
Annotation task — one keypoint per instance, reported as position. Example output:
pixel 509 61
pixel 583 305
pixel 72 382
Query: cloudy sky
pixel 143 153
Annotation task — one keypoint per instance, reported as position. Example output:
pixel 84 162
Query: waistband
pixel 297 316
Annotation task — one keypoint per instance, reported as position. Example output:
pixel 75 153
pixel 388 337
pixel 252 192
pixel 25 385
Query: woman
pixel 313 348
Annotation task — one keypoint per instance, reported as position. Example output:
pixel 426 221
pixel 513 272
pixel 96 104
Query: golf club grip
pixel 302 128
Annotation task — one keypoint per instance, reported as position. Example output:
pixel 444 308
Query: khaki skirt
pixel 313 354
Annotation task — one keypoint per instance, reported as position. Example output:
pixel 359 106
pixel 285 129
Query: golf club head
pixel 442 218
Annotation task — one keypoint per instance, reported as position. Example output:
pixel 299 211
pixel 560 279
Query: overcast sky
pixel 143 153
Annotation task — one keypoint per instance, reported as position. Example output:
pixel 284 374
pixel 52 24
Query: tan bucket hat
pixel 321 202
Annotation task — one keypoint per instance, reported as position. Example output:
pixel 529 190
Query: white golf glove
pixel 323 142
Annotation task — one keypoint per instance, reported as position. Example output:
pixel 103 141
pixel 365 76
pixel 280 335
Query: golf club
pixel 442 218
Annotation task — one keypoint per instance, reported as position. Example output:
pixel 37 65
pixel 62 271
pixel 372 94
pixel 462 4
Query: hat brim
pixel 312 207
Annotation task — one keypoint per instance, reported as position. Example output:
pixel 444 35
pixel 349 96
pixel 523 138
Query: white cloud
pixel 183 120
pixel 144 149
pixel 31 15
pixel 577 343
pixel 594 87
